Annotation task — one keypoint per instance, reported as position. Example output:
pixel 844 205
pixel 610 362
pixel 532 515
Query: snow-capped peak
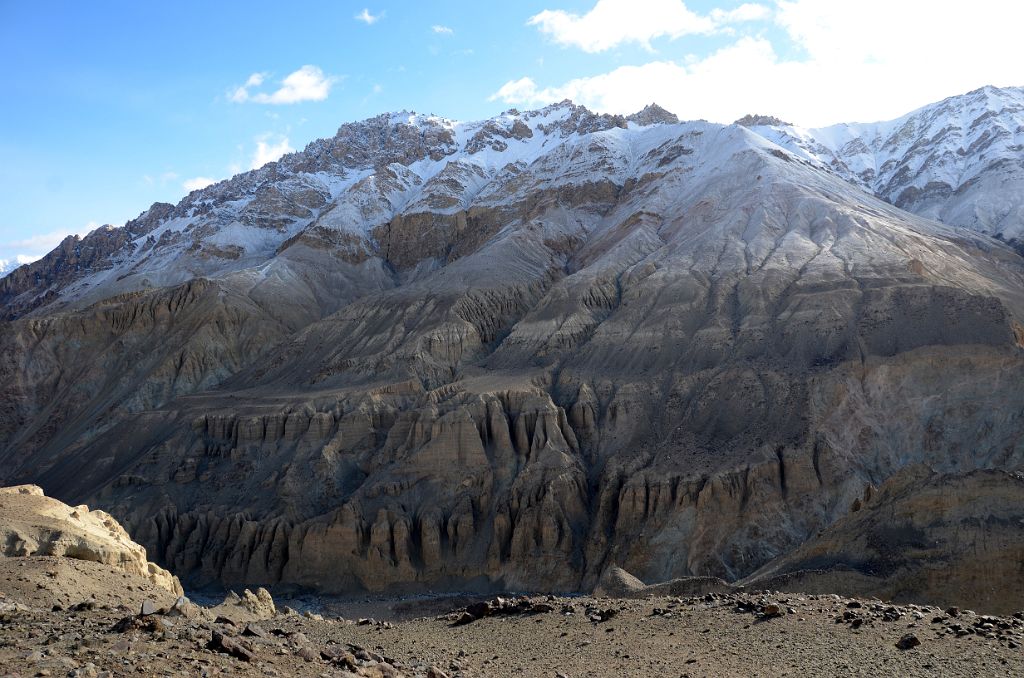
pixel 959 160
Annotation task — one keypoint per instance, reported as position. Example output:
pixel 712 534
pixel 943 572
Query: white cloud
pixel 269 148
pixel 44 242
pixel 8 265
pixel 255 80
pixel 18 260
pixel 367 18
pixel 441 30
pixel 852 65
pixel 522 91
pixel 309 83
pixel 32 247
pixel 196 183
pixel 613 22
pixel 749 11
pixel 266 151
pixel 241 94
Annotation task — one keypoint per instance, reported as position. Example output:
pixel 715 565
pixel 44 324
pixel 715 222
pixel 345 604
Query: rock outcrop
pixel 32 524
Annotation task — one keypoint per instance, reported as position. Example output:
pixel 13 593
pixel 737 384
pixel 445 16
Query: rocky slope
pixel 435 355
pixel 960 160
pixel 946 538
pixel 32 524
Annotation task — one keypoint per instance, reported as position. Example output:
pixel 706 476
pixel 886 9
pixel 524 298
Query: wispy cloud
pixel 195 183
pixel 367 18
pixel 611 23
pixel 375 90
pixel 442 30
pixel 268 150
pixel 309 83
pixel 162 178
pixel 26 250
pixel 44 242
pixel 749 11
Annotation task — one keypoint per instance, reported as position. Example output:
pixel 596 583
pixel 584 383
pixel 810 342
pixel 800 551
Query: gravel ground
pixel 78 619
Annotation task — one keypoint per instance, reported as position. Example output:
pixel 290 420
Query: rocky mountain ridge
pixel 337 194
pixel 960 160
pixel 429 355
pixel 957 161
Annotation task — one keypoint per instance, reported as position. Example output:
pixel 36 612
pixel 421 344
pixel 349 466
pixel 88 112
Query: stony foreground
pixel 84 610
pixel 714 635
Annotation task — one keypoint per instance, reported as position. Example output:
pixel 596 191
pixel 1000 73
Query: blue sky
pixel 110 106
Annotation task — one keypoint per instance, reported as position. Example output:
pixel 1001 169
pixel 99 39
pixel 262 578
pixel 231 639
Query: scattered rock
pixel 308 653
pixel 598 616
pixel 150 624
pixel 504 607
pixel 907 642
pixel 87 671
pixel 465 618
pixel 222 643
pixel 254 630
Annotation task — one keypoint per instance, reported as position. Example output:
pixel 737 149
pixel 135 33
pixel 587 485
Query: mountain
pixel 509 354
pixel 336 199
pixel 960 160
